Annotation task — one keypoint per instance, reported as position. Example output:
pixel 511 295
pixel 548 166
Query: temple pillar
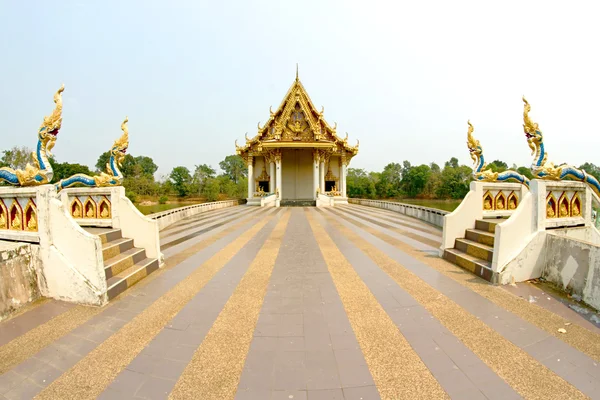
pixel 250 177
pixel 315 173
pixel 344 172
pixel 322 176
pixel 271 177
pixel 278 171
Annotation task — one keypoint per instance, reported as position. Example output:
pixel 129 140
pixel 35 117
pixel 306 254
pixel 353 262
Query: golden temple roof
pixel 297 123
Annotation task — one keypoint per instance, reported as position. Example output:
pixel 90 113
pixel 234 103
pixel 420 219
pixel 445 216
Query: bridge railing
pixel 168 217
pixel 433 216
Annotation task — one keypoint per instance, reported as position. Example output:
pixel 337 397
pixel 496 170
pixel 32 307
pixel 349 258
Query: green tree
pixel 454 180
pixel 226 186
pixel 414 181
pixel 234 166
pixel 359 184
pixel 525 172
pixel 591 169
pixel 203 172
pixel 181 179
pixel 17 157
pixel 66 170
pixel 389 182
pixel 146 164
pixel 211 189
pixel 498 166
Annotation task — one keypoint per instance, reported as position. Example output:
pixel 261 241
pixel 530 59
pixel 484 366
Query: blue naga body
pixel 114 177
pixel 543 169
pixel 41 171
pixel 481 173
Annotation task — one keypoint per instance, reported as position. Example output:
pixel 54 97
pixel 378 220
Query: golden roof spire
pixel 296 72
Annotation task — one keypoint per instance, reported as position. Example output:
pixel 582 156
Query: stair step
pixel 480 236
pixel 116 247
pixel 105 234
pixel 475 265
pixel 120 263
pixel 298 203
pixel 476 249
pixel 487 225
pixel 129 277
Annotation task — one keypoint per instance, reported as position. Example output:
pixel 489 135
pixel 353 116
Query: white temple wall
pixel 297 176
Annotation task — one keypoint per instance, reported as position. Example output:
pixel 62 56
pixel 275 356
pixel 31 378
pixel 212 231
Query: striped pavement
pixel 348 302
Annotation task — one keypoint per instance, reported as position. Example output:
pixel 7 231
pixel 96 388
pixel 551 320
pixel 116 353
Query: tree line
pixel 139 176
pixel 426 181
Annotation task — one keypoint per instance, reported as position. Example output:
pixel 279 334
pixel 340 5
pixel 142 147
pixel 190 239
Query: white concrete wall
pixel 166 218
pixel 430 215
pixel 463 217
pixel 19 270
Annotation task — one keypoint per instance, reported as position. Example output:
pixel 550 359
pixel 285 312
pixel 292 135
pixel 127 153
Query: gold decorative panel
pixel 576 206
pixel 564 207
pixel 488 201
pixel 551 206
pixel 30 217
pixel 104 208
pixel 3 215
pixel 513 201
pixel 500 202
pixel 89 208
pixel 16 216
pixel 76 208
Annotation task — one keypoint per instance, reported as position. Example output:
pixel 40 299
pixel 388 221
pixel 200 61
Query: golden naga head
pixel 52 124
pixel 532 131
pixel 119 148
pixel 475 148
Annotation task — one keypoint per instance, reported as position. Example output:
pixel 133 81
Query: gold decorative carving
pixel 329 175
pixel 89 208
pixel 551 206
pixel 104 208
pixel 564 208
pixel 3 215
pixel 576 205
pixel 513 201
pixel 263 175
pixel 500 201
pixel 30 217
pixel 488 201
pixel 76 208
pixel 16 216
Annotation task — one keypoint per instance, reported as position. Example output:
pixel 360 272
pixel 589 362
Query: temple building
pixel 296 158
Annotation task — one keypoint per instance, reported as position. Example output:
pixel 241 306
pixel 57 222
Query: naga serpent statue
pixel 541 168
pixel 114 177
pixel 480 172
pixel 41 172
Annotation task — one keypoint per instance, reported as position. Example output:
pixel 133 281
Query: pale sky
pixel 403 77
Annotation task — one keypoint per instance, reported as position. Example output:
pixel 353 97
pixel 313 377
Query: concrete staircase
pixel 124 265
pixel 298 203
pixel 475 251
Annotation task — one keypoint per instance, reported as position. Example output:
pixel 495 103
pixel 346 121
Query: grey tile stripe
pixel 195 218
pixel 572 365
pixel 159 365
pixel 458 370
pixel 31 319
pixel 409 241
pixel 202 220
pixel 401 219
pixel 212 220
pixel 212 230
pixel 51 362
pixel 303 344
pixel 351 210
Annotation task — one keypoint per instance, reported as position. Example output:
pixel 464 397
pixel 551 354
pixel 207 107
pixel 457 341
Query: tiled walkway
pixel 303 303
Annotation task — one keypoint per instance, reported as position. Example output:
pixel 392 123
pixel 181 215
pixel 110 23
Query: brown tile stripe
pixel 397 218
pixel 90 376
pixel 579 337
pixel 397 370
pixel 528 377
pixel 28 344
pixel 427 241
pixel 200 217
pixel 215 369
pixel 186 253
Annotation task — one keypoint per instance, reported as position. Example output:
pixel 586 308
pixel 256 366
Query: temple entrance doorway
pixel 297 176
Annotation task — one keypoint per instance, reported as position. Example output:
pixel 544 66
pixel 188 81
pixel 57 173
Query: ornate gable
pixel 297 120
